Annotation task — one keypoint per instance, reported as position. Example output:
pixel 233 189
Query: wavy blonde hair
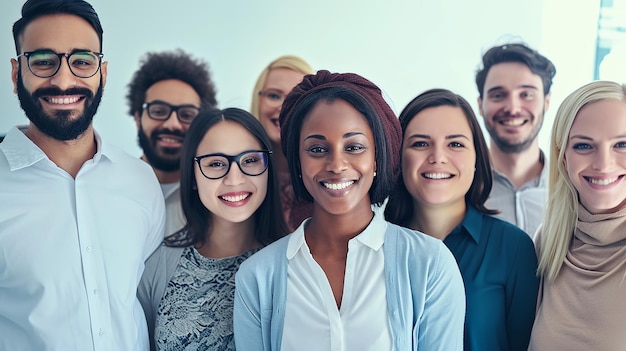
pixel 562 210
pixel 287 61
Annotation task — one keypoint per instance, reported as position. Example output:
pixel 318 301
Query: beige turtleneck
pixel 584 308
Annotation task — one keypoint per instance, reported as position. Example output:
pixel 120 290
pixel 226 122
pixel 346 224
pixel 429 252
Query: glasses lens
pixel 273 98
pixel 43 63
pixel 84 64
pixel 187 114
pixel 159 111
pixel 214 166
pixel 253 163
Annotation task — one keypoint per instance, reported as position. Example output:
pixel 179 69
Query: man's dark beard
pixel 60 126
pixel 517 148
pixel 510 148
pixel 148 144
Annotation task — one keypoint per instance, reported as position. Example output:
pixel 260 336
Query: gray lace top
pixel 196 311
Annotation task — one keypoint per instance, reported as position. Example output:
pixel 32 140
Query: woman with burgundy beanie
pixel 346 279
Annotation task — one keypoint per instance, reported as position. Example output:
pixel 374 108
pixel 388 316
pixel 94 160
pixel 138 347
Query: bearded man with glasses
pixel 164 95
pixel 78 217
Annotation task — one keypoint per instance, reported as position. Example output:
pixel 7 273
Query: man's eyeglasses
pixel 161 111
pixel 272 98
pixel 46 63
pixel 251 163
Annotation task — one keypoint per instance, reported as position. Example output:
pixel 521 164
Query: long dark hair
pixel 270 224
pixel 400 209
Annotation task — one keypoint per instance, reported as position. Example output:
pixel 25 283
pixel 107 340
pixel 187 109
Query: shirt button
pixel 100 332
pixel 88 248
pixel 95 291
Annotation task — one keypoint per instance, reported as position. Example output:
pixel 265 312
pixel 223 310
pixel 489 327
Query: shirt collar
pixel 21 152
pixel 373 236
pixel 472 223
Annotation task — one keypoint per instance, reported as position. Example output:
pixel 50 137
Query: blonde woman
pixel 582 244
pixel 270 90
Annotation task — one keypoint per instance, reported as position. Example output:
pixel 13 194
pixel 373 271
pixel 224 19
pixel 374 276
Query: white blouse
pixel 313 321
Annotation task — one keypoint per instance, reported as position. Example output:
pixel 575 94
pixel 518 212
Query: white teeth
pixel 437 175
pixel 602 181
pixel 235 198
pixel 170 140
pixel 63 101
pixel 513 122
pixel 338 186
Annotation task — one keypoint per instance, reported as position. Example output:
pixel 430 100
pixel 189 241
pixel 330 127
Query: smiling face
pixel 162 141
pixel 595 157
pixel 235 197
pixel 513 105
pixel 61 106
pixel 278 84
pixel 337 157
pixel 438 157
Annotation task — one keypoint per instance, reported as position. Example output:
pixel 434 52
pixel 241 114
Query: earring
pixel 300 176
pixel 374 173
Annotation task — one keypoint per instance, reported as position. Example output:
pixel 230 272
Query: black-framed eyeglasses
pixel 46 63
pixel 250 162
pixel 273 98
pixel 161 111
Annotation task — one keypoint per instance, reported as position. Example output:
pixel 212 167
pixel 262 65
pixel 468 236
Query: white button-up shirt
pixel 311 313
pixel 174 216
pixel 72 251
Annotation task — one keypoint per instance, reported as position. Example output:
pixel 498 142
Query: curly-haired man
pixel 168 84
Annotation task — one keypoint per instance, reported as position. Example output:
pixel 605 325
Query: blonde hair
pixel 562 209
pixel 291 62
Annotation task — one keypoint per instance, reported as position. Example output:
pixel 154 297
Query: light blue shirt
pixel 72 251
pixel 425 294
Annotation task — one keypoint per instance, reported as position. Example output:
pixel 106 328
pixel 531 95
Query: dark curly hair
pixel 158 66
pixel 520 53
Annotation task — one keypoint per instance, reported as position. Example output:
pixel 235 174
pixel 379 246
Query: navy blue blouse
pixel 498 263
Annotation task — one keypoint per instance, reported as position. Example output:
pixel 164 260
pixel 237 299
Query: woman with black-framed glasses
pixel 230 201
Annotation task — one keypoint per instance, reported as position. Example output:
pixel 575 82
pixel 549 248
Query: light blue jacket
pixel 425 294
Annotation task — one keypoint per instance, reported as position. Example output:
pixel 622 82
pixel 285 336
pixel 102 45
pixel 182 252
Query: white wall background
pixel 405 46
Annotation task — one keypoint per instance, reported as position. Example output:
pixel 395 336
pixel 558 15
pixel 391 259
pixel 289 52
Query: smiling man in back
pixel 78 217
pixel 514 94
pixel 165 95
